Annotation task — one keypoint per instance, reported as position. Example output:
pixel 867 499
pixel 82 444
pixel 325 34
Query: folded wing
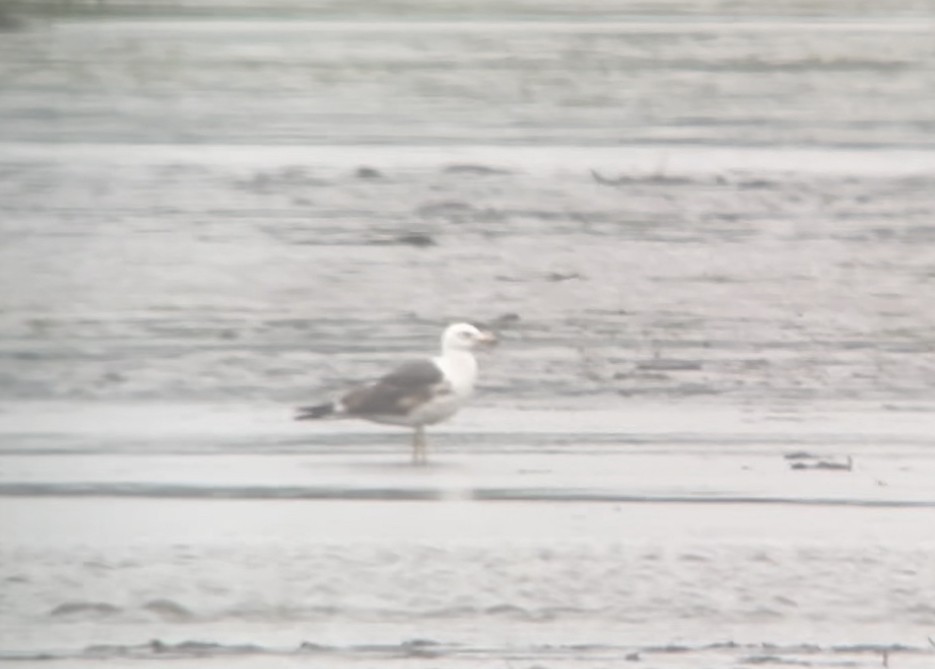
pixel 399 392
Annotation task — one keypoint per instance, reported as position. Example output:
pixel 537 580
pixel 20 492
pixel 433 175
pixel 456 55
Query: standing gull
pixel 418 393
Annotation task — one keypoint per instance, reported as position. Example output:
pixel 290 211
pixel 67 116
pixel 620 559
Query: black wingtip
pixel 317 411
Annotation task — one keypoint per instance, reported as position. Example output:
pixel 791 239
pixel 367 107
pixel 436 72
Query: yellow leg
pixel 419 456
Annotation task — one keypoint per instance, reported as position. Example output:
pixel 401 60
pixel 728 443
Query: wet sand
pixel 705 239
pixel 579 547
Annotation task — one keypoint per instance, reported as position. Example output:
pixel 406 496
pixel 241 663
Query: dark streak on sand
pixel 162 491
pixel 747 654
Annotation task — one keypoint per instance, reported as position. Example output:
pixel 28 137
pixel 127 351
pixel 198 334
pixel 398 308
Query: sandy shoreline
pixel 705 441
pixel 558 548
pixel 570 584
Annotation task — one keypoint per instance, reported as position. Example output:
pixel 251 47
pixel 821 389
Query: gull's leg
pixel 422 457
pixel 415 446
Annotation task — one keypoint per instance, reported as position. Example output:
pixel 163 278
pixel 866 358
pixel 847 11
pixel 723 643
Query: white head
pixel 465 337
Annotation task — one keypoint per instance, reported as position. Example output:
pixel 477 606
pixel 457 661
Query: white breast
pixel 460 370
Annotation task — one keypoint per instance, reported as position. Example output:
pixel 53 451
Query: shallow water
pixel 704 236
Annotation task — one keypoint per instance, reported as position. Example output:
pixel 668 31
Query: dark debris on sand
pixel 827 465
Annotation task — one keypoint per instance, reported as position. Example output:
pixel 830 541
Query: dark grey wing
pixel 398 392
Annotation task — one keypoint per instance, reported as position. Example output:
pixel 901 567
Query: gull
pixel 417 393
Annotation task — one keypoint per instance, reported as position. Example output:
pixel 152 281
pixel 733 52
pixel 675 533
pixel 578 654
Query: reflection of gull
pixel 418 393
